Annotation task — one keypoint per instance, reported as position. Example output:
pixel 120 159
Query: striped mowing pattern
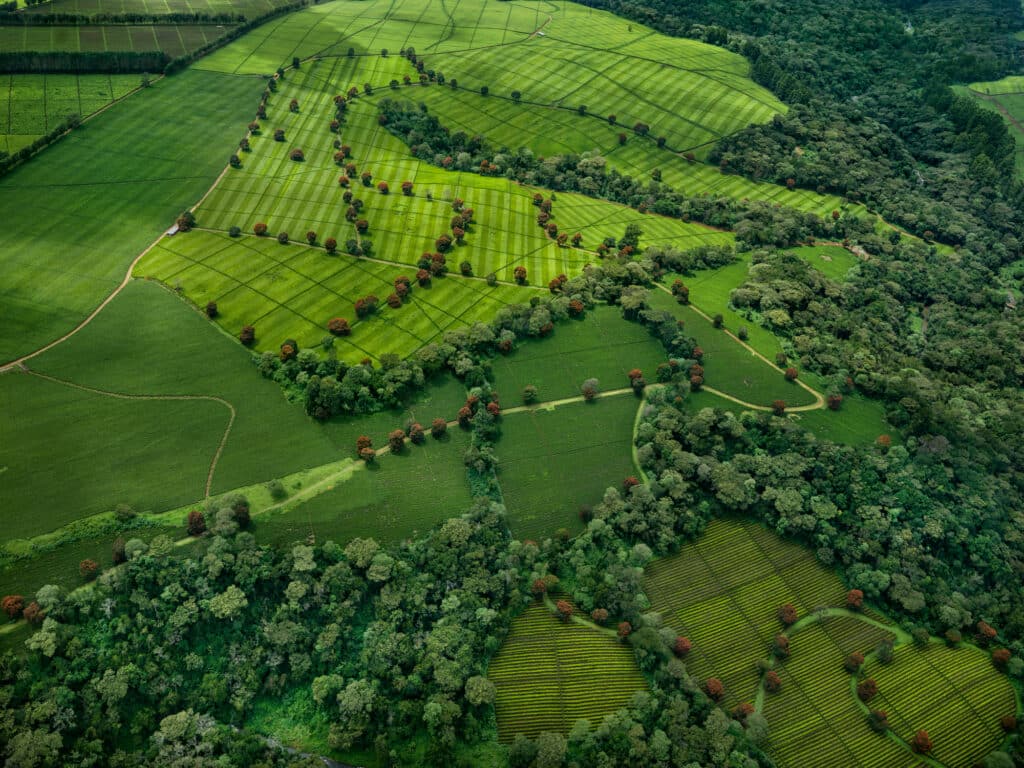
pixel 173 39
pixel 815 718
pixel 722 592
pixel 955 694
pixel 248 8
pixel 549 674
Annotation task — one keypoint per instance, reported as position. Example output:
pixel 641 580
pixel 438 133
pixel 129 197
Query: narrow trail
pixel 125 396
pixel 819 400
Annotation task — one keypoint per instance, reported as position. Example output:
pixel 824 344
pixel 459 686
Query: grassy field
pixel 723 590
pixel 815 718
pixel 99 203
pixel 603 346
pixel 833 261
pixel 555 461
pixel 952 693
pixel 293 291
pixel 247 8
pixel 173 39
pixel 395 498
pixel 31 105
pixel 728 365
pixel 1006 97
pixel 549 674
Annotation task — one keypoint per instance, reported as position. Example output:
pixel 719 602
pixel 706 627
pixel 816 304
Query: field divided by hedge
pixel 549 674
pixel 31 105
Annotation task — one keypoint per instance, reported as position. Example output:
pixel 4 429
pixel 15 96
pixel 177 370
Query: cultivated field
pixel 173 39
pixel 395 498
pixel 952 693
pixel 108 199
pixel 552 462
pixel 603 346
pixel 32 105
pixel 247 8
pixel 291 292
pixel 549 674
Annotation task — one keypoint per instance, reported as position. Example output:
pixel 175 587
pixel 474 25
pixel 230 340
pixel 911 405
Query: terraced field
pixel 952 693
pixel 723 590
pixel 32 105
pixel 549 674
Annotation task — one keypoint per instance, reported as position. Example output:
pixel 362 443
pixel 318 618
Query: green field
pixel 1006 97
pixel 728 365
pixel 108 200
pixel 32 105
pixel 833 261
pixel 602 346
pixel 293 291
pixel 549 674
pixel 952 693
pixel 397 497
pixel 815 719
pixel 173 39
pixel 247 8
pixel 723 590
pixel 554 461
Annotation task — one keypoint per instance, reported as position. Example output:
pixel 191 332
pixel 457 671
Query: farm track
pixel 125 396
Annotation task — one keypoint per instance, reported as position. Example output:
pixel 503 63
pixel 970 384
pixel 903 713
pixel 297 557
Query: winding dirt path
pixel 124 396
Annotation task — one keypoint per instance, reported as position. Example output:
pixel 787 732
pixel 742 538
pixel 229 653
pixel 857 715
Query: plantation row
pixel 550 673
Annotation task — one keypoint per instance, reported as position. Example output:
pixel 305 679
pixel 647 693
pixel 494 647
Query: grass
pixel 32 105
pixel 723 590
pixel 1006 97
pixel 728 365
pixel 173 39
pixel 952 693
pixel 395 498
pixel 833 261
pixel 603 346
pixel 293 291
pixel 107 201
pixel 552 462
pixel 247 8
pixel 549 674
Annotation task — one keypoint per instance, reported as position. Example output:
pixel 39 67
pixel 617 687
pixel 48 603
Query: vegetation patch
pixel 551 673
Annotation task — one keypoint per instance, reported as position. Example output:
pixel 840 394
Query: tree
pixel 551 749
pixel 835 401
pixel 590 389
pixel 362 225
pixel 641 129
pixel 211 309
pixel 438 428
pixel 624 630
pixel 196 524
pixel 1001 658
pixel 416 434
pixel 88 569
pixel 778 407
pixel 331 245
pixel 921 743
pixel 878 720
pixel 282 238
pixel 866 689
pixel 714 689
pixel 519 273
pixel 339 326
pixel 279 134
pixel 986 634
pixel 34 614
pixel 259 229
pixel 787 614
pixel 117 551
pixel 564 610
pixel 791 374
pixel 530 394
pixel 407 188
pixel 479 691
pixel 854 599
pixel 383 187
pixel 484 90
pixel 599 615
pixel 854 662
pixel 396 440
pixel 229 603
pixel 772 681
pixel 368 455
pixel 717 321
pixel 311 237
pixel 394 301
pixel 13 605
pixel 780 647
